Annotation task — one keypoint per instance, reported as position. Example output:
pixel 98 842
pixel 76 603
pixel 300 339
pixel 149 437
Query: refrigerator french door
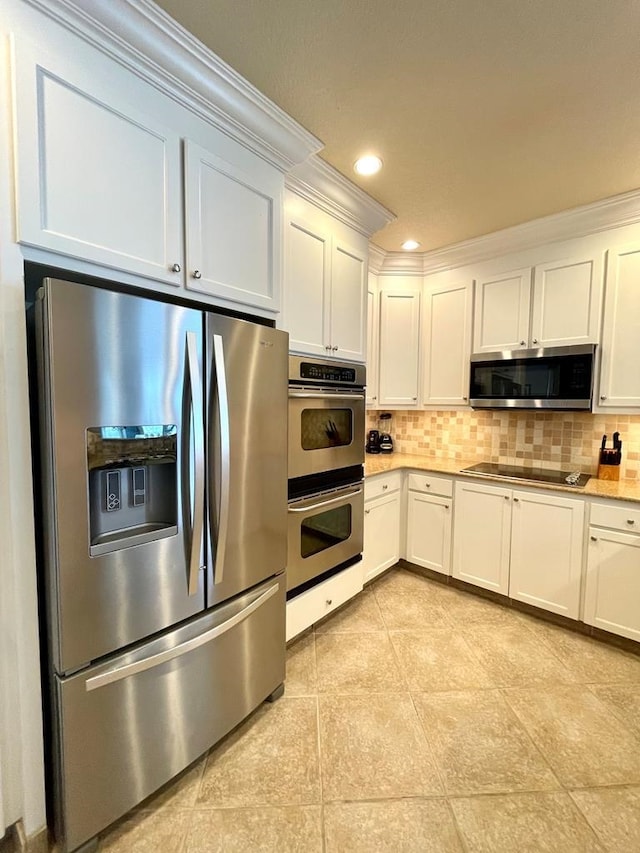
pixel 163 434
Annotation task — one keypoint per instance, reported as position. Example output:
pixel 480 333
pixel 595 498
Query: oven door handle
pixel 335 500
pixel 323 395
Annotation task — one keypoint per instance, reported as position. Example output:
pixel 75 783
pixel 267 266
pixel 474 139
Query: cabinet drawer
pixel 309 607
pixel 431 485
pixel 623 517
pixel 382 484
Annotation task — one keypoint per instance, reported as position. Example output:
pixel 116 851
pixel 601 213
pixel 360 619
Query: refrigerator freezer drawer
pixel 127 726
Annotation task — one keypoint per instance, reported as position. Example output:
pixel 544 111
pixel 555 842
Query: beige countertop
pixel 622 490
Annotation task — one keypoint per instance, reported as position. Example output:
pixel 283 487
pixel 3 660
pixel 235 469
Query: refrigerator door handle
pixel 195 399
pixel 120 672
pixel 225 451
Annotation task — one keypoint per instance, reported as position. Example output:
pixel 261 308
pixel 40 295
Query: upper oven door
pixel 326 430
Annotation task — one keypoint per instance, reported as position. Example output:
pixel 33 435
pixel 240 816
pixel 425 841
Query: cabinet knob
pixel 367 511
pixel 374 398
pixel 328 348
pixel 196 274
pixel 516 500
pixel 594 538
pixel 428 485
pixel 335 348
pixel 506 497
pixel 603 396
pixel 176 268
pixel 414 398
pixel 329 602
pixel 446 506
pixel 384 488
pixel 465 398
pixel 630 521
pixel 535 341
pixel 522 343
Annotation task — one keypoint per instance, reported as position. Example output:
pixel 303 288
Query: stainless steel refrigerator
pixel 164 483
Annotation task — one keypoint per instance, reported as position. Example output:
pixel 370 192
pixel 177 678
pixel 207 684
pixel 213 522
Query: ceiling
pixel 486 113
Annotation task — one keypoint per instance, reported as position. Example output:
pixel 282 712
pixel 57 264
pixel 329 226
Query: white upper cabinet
pixel 553 304
pixel 399 347
pixel 100 179
pixel 620 355
pixel 567 299
pixel 446 341
pixel 97 179
pixel 325 292
pixel 373 317
pixel 502 311
pixel 233 228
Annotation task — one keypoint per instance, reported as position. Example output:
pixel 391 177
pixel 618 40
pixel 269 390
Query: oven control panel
pixel 313 370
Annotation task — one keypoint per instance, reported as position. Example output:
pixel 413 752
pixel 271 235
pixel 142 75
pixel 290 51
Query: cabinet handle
pixel 176 268
pixel 516 500
pixel 384 488
pixel 196 274
pixel 522 343
pixel 428 485
pixel 414 398
pixel 374 398
pixel 506 497
pixel 535 341
pixel 367 511
pixel 335 348
pixel 465 398
pixel 630 521
pixel 603 396
pixel 594 538
pixel 328 348
pixel 446 506
pixel 329 602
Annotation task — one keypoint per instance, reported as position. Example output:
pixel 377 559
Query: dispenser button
pixel 113 491
pixel 139 490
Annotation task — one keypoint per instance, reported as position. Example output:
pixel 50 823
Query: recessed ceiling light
pixel 368 165
pixel 410 245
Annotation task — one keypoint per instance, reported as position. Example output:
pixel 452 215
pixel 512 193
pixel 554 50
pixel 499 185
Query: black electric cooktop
pixel 541 475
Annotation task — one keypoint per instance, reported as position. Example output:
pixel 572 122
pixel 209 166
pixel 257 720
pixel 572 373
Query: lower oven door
pixel 325 529
pixel 326 430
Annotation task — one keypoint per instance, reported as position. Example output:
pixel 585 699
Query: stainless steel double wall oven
pixel 326 457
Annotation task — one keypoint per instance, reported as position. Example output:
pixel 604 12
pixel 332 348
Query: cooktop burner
pixel 542 475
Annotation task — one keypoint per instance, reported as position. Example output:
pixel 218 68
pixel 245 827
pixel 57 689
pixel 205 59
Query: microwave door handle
pixel 311 507
pixel 225 459
pixel 196 412
pixel 323 395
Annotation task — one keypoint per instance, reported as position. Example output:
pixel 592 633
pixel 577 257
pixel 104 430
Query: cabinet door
pixel 429 532
pixel 481 537
pixel 502 311
pixel 546 552
pixel 399 340
pixel 619 373
pixel 348 302
pixel 447 344
pixel 566 303
pixel 228 210
pixel 613 582
pixel 97 179
pixel 306 289
pixel 373 316
pixel 381 535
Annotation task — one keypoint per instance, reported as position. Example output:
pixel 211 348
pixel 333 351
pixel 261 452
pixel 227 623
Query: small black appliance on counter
pixel 385 442
pixel 373 441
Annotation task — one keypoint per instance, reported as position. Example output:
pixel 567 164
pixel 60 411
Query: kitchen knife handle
pixel 195 400
pixel 225 456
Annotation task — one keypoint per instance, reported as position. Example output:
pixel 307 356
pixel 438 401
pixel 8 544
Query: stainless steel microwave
pixel 544 378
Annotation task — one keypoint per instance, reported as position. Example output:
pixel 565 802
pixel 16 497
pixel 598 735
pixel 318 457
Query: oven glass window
pixel 324 428
pixel 323 530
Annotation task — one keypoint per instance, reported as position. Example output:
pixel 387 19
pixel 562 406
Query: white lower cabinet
pixel 309 607
pixel 382 515
pixel 429 521
pixel 527 545
pixel 612 594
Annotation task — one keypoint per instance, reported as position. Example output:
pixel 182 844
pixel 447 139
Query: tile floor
pixel 420 718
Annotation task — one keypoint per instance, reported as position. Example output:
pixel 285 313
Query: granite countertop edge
pixel 623 490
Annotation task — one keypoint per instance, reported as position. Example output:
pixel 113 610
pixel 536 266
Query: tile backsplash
pixel 562 440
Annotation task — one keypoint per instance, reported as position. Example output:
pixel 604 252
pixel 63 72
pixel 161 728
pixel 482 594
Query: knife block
pixel 608 472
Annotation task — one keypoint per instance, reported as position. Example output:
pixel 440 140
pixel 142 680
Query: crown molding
pixel 143 38
pixel 400 263
pixel 614 212
pixel 376 258
pixel 322 185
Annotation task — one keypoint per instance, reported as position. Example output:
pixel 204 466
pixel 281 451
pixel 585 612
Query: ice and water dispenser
pixel 133 485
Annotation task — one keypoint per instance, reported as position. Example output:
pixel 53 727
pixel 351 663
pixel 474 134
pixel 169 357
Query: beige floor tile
pixel 479 744
pixel 359 615
pixel 438 659
pixel 589 660
pixel 524 823
pixel 463 609
pixel 302 675
pixel 181 793
pixel 373 748
pixel 401 580
pixel 402 610
pixel 401 826
pixel 357 663
pixel 624 701
pixel 148 832
pixel 614 814
pixel 579 736
pixel 272 759
pixel 513 656
pixel 285 829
